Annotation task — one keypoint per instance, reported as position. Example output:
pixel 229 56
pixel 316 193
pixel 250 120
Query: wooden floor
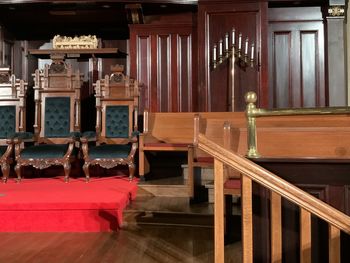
pixel 142 244
pixel 156 229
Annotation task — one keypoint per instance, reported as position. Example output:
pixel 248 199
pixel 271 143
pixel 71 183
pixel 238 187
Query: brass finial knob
pixel 250 97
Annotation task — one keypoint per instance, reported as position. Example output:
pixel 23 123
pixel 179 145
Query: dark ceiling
pixel 42 20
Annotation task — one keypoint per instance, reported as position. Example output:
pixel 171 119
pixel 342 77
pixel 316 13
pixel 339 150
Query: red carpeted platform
pixel 50 205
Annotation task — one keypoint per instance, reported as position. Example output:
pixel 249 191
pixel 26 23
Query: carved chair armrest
pixel 133 137
pixel 20 137
pixel 75 135
pixel 133 150
pixel 10 140
pixel 88 136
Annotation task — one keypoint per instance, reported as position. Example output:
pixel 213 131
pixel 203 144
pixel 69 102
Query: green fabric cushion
pixel 45 151
pixel 2 150
pixel 117 121
pixel 109 151
pixel 57 117
pixel 7 121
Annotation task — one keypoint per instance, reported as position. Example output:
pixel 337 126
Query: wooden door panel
pixel 163 66
pixel 214 21
pixel 296 60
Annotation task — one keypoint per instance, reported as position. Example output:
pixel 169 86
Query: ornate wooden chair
pixel 12 116
pixel 57 120
pixel 116 124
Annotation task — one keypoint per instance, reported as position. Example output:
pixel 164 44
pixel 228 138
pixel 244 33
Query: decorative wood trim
pixel 320 191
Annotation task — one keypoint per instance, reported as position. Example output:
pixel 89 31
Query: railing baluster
pixel 305 236
pixel 251 171
pixel 247 220
pixel 219 229
pixel 334 244
pixel 276 228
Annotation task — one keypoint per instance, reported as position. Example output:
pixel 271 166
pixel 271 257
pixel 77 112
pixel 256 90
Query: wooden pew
pixel 223 129
pixel 164 131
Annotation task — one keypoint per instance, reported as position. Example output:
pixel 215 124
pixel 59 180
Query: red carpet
pixel 50 205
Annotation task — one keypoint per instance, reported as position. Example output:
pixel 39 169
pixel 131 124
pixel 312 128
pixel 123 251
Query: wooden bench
pixel 164 131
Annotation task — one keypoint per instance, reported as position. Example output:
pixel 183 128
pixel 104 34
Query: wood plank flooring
pixel 155 229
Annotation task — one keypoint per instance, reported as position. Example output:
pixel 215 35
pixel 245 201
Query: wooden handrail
pixel 276 184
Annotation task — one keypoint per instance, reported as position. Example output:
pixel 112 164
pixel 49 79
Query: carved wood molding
pixel 336 11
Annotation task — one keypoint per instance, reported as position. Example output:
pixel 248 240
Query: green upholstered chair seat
pixel 45 151
pixel 109 151
pixel 2 150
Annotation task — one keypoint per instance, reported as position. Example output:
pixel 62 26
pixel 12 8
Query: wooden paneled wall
pixel 215 18
pixel 162 58
pixel 296 58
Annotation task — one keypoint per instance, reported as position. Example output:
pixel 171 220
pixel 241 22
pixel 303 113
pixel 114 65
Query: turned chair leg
pixel 18 172
pixel 86 171
pixel 5 169
pixel 66 167
pixel 131 171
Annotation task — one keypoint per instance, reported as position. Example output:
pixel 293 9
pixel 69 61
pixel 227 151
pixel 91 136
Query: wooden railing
pixel 252 112
pixel 279 188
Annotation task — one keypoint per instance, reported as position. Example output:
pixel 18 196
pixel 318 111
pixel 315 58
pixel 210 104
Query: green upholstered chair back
pixel 57 117
pixel 117 121
pixel 7 121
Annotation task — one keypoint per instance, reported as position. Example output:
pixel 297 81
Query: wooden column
pixel 336 53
